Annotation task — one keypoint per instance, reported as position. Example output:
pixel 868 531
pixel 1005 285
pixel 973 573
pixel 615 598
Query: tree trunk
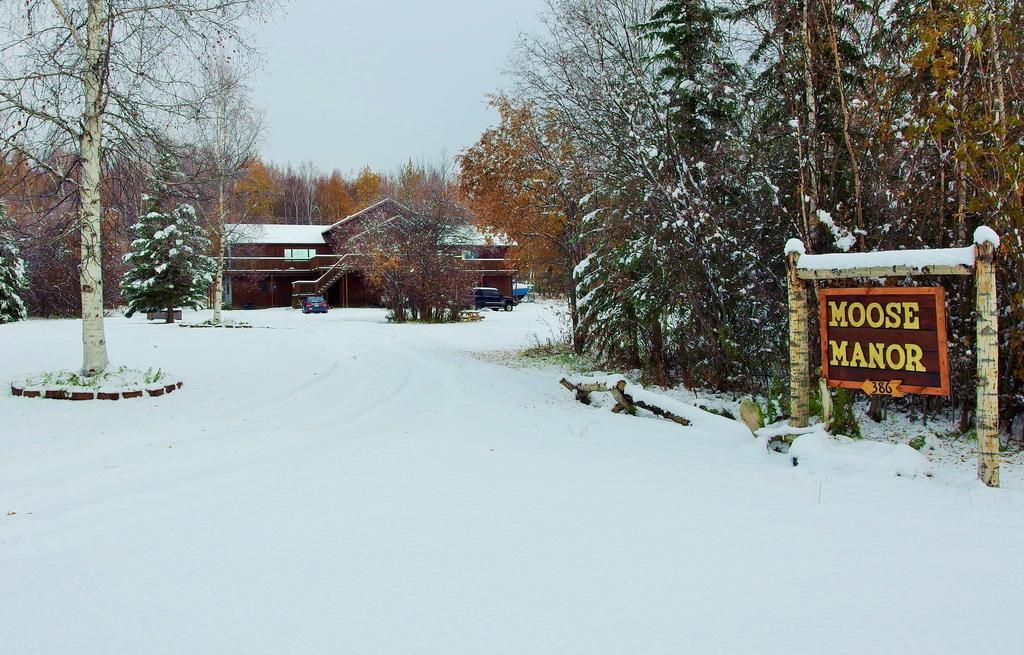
pixel 997 65
pixel 659 363
pixel 799 366
pixel 218 282
pixel 854 164
pixel 574 317
pixel 811 132
pixel 875 409
pixel 987 412
pixel 94 343
pixel 170 314
pixel 961 212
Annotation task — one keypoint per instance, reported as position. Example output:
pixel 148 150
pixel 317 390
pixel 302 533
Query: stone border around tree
pixel 78 394
pixel 236 326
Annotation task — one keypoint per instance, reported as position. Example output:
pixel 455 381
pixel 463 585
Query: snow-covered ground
pixel 337 484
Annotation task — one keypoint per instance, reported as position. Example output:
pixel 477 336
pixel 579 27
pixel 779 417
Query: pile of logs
pixel 623 401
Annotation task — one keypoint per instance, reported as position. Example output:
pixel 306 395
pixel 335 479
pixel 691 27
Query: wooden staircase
pixel 317 287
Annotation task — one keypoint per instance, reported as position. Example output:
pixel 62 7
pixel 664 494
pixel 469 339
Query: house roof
pixel 271 233
pixel 471 235
pixel 394 206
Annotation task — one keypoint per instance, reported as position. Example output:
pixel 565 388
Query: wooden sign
pixel 885 341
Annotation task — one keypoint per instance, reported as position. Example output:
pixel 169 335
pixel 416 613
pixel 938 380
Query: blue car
pixel 314 305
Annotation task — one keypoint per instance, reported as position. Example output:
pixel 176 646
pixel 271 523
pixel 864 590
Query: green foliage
pixel 12 274
pixel 720 411
pixel 169 264
pixel 814 404
pixel 118 377
pixel 691 58
pixel 558 354
pixel 775 404
pixel 844 419
pixel 918 442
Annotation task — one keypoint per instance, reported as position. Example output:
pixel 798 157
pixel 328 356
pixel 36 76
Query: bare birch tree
pixel 229 131
pixel 92 77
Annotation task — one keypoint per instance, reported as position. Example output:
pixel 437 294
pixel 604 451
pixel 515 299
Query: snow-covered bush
pixel 12 274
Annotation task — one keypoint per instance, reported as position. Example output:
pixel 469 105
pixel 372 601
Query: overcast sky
pixel 377 82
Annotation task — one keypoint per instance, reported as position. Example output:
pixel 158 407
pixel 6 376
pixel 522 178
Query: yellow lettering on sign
pixel 892 315
pixel 856 320
pixel 893 357
pixel 914 357
pixel 875 315
pixel 876 357
pixel 837 313
pixel 911 316
pixel 894 363
pixel 858 357
pixel 838 350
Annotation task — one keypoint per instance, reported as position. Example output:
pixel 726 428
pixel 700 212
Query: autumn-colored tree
pixel 413 260
pixel 333 198
pixel 366 188
pixel 521 178
pixel 255 195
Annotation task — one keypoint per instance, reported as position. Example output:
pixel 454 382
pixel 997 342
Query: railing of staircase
pixel 281 264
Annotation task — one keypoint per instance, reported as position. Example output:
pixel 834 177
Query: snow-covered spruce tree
pixel 168 259
pixel 12 274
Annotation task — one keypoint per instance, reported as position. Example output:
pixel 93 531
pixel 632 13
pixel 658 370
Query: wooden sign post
pixel 986 417
pixel 892 340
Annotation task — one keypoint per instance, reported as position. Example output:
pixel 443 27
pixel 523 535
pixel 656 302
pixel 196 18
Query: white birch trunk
pixel 812 125
pixel 799 364
pixel 986 416
pixel 218 282
pixel 94 343
pixel 847 138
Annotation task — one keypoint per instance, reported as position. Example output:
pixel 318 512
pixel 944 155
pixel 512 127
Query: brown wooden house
pixel 273 265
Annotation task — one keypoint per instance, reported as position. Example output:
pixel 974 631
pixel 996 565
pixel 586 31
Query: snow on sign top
pixel 795 245
pixel 248 233
pixel 918 259
pixel 985 234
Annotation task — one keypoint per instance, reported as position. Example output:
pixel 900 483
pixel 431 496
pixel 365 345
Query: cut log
pixel 618 392
pixel 623 401
pixel 657 411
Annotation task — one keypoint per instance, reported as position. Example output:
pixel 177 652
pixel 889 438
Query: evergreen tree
pixel 12 274
pixel 168 260
pixel 700 77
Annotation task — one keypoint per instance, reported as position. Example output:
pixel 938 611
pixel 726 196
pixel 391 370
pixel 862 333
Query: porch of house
pixel 262 282
pixel 279 290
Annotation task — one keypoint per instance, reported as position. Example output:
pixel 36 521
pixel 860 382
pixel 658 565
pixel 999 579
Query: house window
pixel 299 254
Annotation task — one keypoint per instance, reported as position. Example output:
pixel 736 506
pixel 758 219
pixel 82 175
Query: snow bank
pixel 918 259
pixel 711 425
pixel 819 451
